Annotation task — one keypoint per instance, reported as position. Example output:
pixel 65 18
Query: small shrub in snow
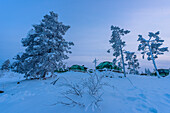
pixel 86 94
pixel 94 84
pixel 75 89
pixel 6 65
pixel 73 95
pixel 147 71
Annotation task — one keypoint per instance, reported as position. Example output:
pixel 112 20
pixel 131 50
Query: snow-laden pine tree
pixel 133 64
pixel 152 48
pixel 18 64
pixel 6 65
pixel 45 48
pixel 118 45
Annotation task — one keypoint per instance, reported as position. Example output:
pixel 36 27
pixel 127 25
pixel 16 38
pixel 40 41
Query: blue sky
pixel 90 22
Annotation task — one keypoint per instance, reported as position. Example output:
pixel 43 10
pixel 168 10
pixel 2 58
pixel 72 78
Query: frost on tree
pixel 6 65
pixel 45 48
pixel 147 71
pixel 152 48
pixel 95 63
pixel 18 65
pixel 133 64
pixel 117 46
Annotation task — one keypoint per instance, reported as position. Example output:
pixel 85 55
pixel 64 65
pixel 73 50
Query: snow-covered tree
pixel 45 48
pixel 95 63
pixel 6 65
pixel 118 45
pixel 18 65
pixel 133 64
pixel 152 48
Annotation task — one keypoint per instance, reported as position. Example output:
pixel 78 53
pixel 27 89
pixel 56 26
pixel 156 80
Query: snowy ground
pixel 144 95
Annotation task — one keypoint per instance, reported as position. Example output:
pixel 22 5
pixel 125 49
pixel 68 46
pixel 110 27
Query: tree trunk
pixel 134 67
pixel 123 63
pixel 95 66
pixel 153 60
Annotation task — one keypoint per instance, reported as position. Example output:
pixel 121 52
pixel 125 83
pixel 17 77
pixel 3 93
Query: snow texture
pixel 131 94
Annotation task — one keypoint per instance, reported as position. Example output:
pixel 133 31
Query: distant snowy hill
pixel 134 94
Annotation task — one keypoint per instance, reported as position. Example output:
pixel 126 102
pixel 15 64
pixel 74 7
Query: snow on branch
pixel 45 48
pixel 117 46
pixel 152 47
pixel 87 94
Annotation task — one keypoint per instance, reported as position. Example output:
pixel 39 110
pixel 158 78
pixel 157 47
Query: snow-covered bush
pixel 45 48
pixel 87 94
pixel 133 64
pixel 94 84
pixel 75 89
pixel 147 71
pixel 117 46
pixel 73 94
pixel 152 48
pixel 6 65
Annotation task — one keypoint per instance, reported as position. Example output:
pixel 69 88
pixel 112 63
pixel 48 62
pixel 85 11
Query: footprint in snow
pixel 153 110
pixel 142 96
pixel 167 95
pixel 167 98
pixel 144 108
pixel 132 98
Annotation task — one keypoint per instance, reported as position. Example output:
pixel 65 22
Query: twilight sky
pixel 90 22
